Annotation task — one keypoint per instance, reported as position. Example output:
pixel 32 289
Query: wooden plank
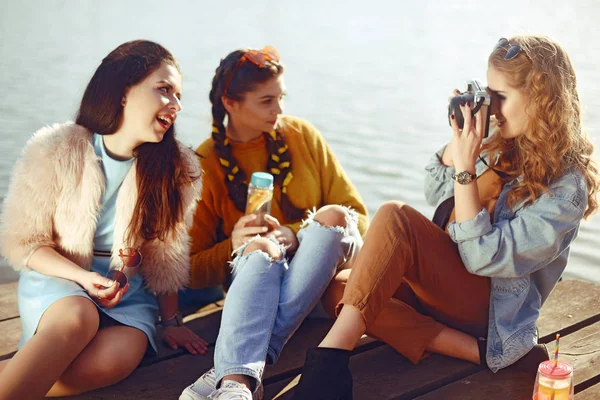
pixel 9 338
pixel 592 393
pixel 571 304
pixel 581 349
pixel 168 378
pixel 382 373
pixel 8 301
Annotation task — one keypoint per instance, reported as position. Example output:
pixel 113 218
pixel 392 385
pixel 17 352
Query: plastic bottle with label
pixel 260 195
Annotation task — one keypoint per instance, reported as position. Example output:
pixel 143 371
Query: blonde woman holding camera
pixel 472 286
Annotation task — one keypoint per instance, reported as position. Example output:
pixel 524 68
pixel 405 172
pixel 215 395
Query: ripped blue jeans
pixel 268 300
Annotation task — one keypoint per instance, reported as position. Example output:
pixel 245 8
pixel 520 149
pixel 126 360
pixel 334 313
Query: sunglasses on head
pixel 256 57
pixel 512 51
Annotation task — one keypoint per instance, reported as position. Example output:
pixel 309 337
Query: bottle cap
pixel 562 369
pixel 262 179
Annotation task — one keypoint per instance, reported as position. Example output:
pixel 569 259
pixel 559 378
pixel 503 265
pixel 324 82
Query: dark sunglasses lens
pixel 501 43
pixel 512 52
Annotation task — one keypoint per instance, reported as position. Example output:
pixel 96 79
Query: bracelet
pixel 174 320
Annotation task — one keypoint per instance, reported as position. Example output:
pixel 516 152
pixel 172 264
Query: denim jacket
pixel 524 251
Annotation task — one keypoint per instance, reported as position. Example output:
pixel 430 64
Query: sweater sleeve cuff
pixel 437 170
pixel 470 229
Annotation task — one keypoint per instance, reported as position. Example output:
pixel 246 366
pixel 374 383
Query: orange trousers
pixel 409 282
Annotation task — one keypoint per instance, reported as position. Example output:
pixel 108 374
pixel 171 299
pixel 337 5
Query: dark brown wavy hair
pixel 553 140
pixel 247 77
pixel 160 167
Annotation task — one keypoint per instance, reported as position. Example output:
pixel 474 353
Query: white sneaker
pixel 206 384
pixel 202 388
pixel 231 390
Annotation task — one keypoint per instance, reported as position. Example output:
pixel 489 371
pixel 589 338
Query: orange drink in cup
pixel 554 382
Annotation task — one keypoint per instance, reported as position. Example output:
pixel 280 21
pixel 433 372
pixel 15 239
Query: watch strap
pixel 174 320
pixel 459 177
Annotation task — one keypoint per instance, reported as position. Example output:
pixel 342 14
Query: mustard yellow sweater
pixel 319 179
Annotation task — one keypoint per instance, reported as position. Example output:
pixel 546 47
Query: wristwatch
pixel 464 178
pixel 174 320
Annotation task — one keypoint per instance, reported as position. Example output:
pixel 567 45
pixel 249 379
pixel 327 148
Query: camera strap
pixel 501 174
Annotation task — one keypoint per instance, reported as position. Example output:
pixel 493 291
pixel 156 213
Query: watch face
pixel 464 177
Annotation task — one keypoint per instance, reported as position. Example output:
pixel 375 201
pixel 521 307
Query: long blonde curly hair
pixel 553 140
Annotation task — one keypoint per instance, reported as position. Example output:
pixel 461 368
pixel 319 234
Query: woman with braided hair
pixel 281 270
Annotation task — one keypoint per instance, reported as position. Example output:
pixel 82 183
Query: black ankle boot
pixel 531 361
pixel 482 344
pixel 325 375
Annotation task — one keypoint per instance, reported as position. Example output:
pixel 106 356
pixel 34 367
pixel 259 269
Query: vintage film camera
pixel 478 98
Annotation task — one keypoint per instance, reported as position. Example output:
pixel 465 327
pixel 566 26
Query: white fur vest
pixel 54 199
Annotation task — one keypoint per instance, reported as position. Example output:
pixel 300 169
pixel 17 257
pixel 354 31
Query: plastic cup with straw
pixel 556 350
pixel 554 379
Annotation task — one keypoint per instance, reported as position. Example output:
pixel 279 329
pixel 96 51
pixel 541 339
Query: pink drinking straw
pixel 556 350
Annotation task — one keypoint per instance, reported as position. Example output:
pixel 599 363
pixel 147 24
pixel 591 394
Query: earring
pixel 123 102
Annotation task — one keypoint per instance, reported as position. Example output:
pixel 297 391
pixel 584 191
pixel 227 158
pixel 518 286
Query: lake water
pixel 373 76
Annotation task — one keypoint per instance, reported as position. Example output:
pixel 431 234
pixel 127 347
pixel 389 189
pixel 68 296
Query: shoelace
pixel 211 376
pixel 230 391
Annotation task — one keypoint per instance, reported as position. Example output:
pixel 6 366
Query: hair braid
pixel 280 166
pixel 235 178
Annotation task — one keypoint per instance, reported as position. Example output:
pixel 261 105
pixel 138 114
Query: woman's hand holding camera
pixel 447 158
pixel 466 143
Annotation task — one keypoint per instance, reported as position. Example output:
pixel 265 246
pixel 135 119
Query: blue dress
pixel 36 292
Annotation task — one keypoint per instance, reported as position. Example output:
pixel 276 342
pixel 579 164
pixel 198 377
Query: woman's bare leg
pixel 3 364
pixel 457 344
pixel 65 329
pixel 346 331
pixel 110 357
